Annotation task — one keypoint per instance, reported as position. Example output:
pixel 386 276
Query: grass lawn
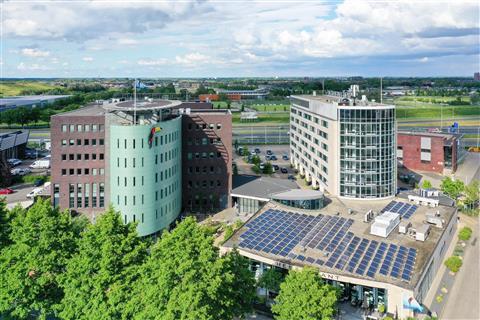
pixel 270 107
pixel 219 104
pixel 15 88
pixel 280 118
pixel 436 112
pixel 430 99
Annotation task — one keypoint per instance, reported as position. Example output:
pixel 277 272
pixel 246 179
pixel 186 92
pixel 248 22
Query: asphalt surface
pixel 278 151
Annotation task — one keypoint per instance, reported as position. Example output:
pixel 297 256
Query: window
pixel 86 171
pixel 79 142
pixel 79 156
pixel 64 128
pixel 87 128
pixel 64 142
pixel 102 157
pixel 64 172
pixel 71 156
pixel 71 198
pixel 101 127
pixel 94 172
pixel 102 171
pixel 72 128
pixel 219 126
pixel 64 156
pixel 94 142
pixel 86 156
pixel 79 171
pixel 71 172
pixel 85 142
pixel 102 195
pixel 79 195
pixel 94 128
pixel 94 156
pixel 72 142
pixel 79 128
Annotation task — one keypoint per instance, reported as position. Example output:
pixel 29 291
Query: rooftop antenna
pixel 381 90
pixel 135 102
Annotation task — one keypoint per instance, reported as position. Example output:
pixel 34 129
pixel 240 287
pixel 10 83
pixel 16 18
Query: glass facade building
pixel 367 152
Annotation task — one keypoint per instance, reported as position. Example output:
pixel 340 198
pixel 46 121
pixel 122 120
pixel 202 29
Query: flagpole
pixel 135 102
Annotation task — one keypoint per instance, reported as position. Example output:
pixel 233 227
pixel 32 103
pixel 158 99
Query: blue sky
pixel 102 38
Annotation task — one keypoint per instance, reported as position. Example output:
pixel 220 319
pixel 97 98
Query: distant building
pixel 427 151
pixel 29 101
pixel 344 145
pixel 476 76
pixel 13 144
pixel 208 97
pixel 237 95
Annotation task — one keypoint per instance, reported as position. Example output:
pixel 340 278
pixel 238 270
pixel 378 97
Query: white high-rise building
pixel 343 145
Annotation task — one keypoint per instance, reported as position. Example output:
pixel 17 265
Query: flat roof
pixel 429 134
pixel 335 100
pixel 336 240
pixel 13 139
pixel 27 100
pixel 141 105
pixel 298 194
pixel 90 110
pixel 260 187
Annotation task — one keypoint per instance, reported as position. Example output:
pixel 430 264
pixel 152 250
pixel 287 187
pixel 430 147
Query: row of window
pixel 171 206
pixel 203 141
pixel 164 156
pixel 203 155
pixel 82 156
pixel 204 126
pixel 162 139
pixel 308 117
pixel 204 169
pixel 84 172
pixel 204 184
pixel 80 195
pixel 83 127
pixel 164 175
pixel 83 142
pixel 164 193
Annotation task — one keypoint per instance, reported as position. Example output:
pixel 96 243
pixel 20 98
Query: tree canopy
pixel 42 241
pixel 98 278
pixel 184 278
pixel 453 188
pixel 303 295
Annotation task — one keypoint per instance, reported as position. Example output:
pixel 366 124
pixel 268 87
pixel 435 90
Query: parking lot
pixel 277 150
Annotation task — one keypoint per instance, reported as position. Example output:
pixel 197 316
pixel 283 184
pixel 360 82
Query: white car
pixel 20 171
pixel 14 162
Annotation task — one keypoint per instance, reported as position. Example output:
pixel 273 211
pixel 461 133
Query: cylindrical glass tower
pixel 367 152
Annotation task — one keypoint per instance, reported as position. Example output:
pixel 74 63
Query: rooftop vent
pixel 422 232
pixel 423 201
pixel 404 226
pixel 384 224
pixel 368 216
pixel 435 219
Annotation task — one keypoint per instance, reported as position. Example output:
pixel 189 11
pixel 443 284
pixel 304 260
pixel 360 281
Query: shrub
pixel 388 318
pixel 465 234
pixel 439 298
pixel 453 263
pixel 228 233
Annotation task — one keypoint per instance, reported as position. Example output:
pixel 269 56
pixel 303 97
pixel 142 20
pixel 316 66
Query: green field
pixel 270 107
pixel 15 88
pixel 263 119
pixel 437 112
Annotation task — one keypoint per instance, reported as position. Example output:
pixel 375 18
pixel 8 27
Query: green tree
pixel 303 295
pixel 4 225
pixel 185 278
pixel 426 184
pixel 268 169
pixel 465 233
pixel 453 263
pixel 270 281
pixel 98 279
pixel 43 239
pixel 245 151
pixel 453 188
pixel 472 193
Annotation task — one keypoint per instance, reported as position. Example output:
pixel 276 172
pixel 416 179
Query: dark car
pixel 273 157
pixel 285 157
pixel 269 152
pixel 257 151
pixel 276 167
pixel 284 170
pixel 267 158
pixel 291 177
pixel 38 182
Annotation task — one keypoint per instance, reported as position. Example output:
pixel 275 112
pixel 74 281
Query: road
pixel 465 294
pixel 278 150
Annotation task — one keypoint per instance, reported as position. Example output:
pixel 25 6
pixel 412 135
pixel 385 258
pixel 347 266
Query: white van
pixel 41 164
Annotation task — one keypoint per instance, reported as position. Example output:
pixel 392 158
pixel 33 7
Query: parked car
pixel 267 158
pixel 257 151
pixel 14 162
pixel 34 192
pixel 41 164
pixel 284 170
pixel 262 166
pixel 291 177
pixel 6 191
pixel 269 152
pixel 276 167
pixel 285 157
pixel 273 157
pixel 38 182
pixel 20 171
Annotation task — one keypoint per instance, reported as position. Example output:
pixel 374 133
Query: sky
pixel 102 38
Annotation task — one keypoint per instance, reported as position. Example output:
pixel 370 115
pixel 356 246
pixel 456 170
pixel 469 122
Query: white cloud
pixel 87 59
pixel 192 59
pixel 22 66
pixel 127 41
pixel 34 52
pixel 151 62
pixel 423 60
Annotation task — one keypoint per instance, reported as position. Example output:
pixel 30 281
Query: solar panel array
pixel 404 209
pixel 278 232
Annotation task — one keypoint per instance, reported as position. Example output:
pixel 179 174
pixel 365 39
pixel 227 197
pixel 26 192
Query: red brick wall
pixel 58 164
pixel 411 153
pixel 192 144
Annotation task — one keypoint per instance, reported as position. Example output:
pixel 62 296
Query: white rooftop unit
pixel 422 232
pixel 435 219
pixel 424 201
pixel 404 226
pixel 384 224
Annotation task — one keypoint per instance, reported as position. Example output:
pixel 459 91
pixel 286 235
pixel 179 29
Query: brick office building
pixel 426 151
pixel 207 160
pixel 102 156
